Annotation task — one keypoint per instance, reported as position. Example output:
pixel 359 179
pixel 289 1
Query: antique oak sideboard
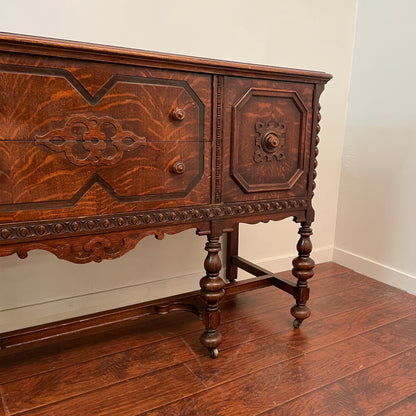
pixel 102 146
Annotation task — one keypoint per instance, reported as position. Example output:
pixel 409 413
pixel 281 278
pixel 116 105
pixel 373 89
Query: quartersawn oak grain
pixel 103 146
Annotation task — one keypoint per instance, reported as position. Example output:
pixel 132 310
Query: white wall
pixel 302 34
pixel 376 227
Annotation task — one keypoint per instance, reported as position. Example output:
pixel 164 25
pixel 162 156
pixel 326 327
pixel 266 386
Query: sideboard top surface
pixel 86 51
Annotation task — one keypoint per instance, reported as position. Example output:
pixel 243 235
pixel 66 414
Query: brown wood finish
pixel 356 358
pixel 101 146
pixel 232 252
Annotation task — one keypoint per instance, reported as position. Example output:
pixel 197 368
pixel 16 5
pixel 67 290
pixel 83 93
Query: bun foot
pixel 297 323
pixel 300 312
pixel 213 352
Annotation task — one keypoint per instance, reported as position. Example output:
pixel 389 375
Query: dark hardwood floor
pixel 356 355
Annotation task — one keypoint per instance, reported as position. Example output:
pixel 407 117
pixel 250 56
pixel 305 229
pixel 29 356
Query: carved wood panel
pixel 268 140
pixel 75 137
pixel 143 174
pixel 91 141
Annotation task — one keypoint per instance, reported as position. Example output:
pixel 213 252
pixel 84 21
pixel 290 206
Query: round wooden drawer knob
pixel 178 168
pixel 271 142
pixel 178 114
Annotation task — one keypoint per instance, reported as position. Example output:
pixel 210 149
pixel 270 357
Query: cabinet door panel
pixel 269 139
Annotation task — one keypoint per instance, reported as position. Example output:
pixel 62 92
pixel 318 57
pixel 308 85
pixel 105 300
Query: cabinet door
pixel 83 138
pixel 267 139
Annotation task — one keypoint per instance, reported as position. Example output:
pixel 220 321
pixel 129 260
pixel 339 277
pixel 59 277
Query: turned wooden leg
pixel 303 270
pixel 232 250
pixel 212 290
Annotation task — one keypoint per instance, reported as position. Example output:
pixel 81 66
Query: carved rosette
pixel 270 141
pixel 92 141
pixel 59 228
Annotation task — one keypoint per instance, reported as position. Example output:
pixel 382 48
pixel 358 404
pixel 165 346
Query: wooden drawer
pixel 267 139
pixel 78 139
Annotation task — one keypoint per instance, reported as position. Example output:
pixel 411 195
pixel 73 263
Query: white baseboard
pixel 50 311
pixel 375 270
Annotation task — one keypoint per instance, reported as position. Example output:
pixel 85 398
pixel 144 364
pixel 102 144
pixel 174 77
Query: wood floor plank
pixel 406 407
pixel 352 297
pixel 382 286
pixel 99 373
pixel 128 398
pixel 316 332
pixel 42 357
pixel 397 336
pixel 71 381
pixel 261 390
pixel 16 364
pixel 248 329
pixel 365 393
pixel 377 288
pixel 329 268
pixel 3 405
pixel 243 359
pixel 333 284
pixel 319 334
pixel 336 303
pixel 265 299
pixel 156 365
pixel 79 378
pixel 351 323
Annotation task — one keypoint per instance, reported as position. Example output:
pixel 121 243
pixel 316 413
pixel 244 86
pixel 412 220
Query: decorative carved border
pixel 88 248
pixel 218 139
pixel 315 161
pixel 77 226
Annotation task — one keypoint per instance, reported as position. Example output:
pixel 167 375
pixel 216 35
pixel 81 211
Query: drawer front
pixel 79 139
pixel 267 142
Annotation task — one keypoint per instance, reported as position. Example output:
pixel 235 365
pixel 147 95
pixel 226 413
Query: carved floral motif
pixel 270 141
pixel 92 141
pixel 91 248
